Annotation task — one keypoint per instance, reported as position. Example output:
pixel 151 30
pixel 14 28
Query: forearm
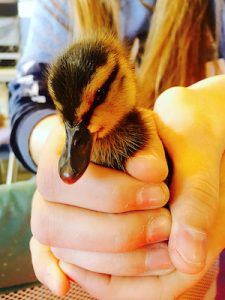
pixel 29 104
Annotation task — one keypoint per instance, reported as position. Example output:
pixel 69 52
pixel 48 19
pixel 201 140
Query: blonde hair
pixel 179 42
pixel 176 47
pixel 94 15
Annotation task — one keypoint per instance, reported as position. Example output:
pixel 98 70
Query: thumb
pixel 149 164
pixel 194 205
pixel 187 129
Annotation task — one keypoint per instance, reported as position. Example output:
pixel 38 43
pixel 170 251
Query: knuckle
pixel 205 194
pixel 201 206
pixel 123 240
pixel 121 201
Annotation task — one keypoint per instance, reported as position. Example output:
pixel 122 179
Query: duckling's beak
pixel 76 153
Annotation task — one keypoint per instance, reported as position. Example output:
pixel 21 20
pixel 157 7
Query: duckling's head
pixel 93 87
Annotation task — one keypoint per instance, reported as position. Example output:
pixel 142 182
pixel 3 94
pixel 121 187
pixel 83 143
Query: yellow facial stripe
pixel 98 79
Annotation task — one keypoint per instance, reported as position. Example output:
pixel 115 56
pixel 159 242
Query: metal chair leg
pixel 12 171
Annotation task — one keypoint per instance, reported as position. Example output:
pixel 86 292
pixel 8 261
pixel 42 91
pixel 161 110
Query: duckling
pixel 94 88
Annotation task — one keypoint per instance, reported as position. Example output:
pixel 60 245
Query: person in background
pixel 110 237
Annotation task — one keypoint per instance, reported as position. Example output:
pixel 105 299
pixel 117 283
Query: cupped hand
pixel 167 287
pixel 103 189
pixel 191 123
pixel 108 222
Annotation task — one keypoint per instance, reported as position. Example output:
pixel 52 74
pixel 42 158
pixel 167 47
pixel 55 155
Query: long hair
pixel 180 41
pixel 95 15
pixel 181 38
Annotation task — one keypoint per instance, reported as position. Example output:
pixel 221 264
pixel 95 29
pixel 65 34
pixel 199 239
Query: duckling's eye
pixel 100 95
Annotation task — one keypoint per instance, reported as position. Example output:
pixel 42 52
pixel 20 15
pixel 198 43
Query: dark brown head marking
pixel 72 71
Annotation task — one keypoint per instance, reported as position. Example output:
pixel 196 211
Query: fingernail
pixel 152 196
pixel 191 245
pixel 157 258
pixel 159 229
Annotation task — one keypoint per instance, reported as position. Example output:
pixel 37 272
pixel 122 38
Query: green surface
pixel 15 207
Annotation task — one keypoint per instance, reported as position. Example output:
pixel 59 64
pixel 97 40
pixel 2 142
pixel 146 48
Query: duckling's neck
pixel 130 135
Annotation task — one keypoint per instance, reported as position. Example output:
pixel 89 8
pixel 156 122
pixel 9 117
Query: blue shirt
pixel 51 27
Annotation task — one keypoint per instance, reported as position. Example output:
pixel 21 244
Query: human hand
pixel 191 123
pixel 195 141
pixel 167 287
pixel 106 219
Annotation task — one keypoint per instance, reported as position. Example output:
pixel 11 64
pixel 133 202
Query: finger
pixel 150 260
pixel 193 211
pixel 47 270
pixel 149 164
pixel 71 227
pixel 102 286
pixel 100 189
pixel 194 190
pixel 168 287
pixel 108 287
